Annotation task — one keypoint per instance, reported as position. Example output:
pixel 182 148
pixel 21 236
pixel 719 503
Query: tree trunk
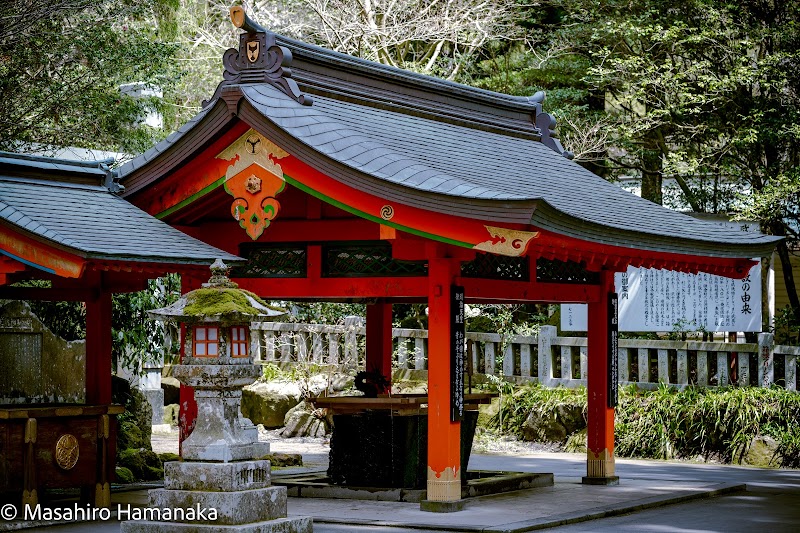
pixel 788 278
pixel 652 166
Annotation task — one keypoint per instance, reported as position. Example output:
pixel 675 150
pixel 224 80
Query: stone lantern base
pixel 240 493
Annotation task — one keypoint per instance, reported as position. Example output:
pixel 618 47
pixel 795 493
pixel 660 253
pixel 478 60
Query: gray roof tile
pixel 93 221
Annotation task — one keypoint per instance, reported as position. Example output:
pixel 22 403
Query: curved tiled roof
pixel 55 200
pixel 445 147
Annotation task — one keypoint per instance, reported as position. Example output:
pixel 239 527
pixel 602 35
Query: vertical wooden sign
pixel 613 349
pixel 457 353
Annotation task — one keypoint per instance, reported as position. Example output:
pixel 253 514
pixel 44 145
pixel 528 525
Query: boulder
pixel 762 452
pixel 555 425
pixel 284 459
pixel 268 402
pixel 171 414
pixel 135 423
pixel 303 420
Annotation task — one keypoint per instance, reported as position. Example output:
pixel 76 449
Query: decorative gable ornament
pixel 259 59
pixel 254 179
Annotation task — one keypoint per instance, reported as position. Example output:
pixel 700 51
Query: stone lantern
pixel 221 465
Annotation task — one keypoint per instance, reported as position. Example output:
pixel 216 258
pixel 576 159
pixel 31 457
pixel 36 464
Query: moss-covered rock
pixel 135 424
pixel 143 464
pixel 167 457
pixel 268 402
pixel 576 443
pixel 124 475
pixel 153 474
pixel 132 459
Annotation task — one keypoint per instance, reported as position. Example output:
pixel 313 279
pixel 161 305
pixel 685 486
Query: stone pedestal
pixel 231 496
pixel 221 484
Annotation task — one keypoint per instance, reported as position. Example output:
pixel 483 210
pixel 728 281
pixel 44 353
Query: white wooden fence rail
pixel 545 357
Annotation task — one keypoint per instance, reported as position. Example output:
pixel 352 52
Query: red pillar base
pixel 441 507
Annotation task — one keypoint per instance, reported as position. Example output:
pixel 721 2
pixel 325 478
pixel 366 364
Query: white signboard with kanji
pixel 665 300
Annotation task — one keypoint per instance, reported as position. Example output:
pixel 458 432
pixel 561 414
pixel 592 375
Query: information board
pixel 457 353
pixel 665 300
pixel 613 349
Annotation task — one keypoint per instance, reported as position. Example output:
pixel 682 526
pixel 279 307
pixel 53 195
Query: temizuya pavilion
pixel 343 179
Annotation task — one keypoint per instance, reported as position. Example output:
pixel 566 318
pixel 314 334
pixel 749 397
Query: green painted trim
pixel 199 194
pixel 362 214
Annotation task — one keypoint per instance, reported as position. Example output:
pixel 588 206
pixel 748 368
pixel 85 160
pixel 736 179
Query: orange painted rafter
pixel 39 255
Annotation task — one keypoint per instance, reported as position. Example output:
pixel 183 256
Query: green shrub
pixel 666 423
pixel 124 475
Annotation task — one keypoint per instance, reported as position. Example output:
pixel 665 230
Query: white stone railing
pixel 545 357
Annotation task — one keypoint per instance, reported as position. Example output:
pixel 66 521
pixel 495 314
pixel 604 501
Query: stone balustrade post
pixel 566 362
pixel 766 359
pixel 508 359
pixel 420 354
pixel 545 342
pixel 624 365
pixel 643 358
pixel 525 360
pixel 702 368
pixel 791 372
pixel 663 366
pixel 723 373
pixel 683 367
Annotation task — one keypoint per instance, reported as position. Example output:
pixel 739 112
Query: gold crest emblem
pixel 253 184
pixel 67 451
pixel 253 48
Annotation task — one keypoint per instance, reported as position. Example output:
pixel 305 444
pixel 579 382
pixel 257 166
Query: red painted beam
pixel 479 290
pixel 336 288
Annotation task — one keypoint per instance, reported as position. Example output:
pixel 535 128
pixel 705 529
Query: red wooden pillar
pixel 600 434
pixel 444 436
pixel 187 409
pixel 379 339
pixel 98 349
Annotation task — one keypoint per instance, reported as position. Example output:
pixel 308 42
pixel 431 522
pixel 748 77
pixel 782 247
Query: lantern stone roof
pixel 219 300
pixel 72 205
pixel 431 144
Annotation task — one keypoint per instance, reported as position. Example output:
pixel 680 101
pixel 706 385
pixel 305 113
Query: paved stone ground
pixel 769 504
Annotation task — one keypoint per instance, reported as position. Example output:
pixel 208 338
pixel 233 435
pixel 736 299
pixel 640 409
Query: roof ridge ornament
pixel 259 59
pixel 546 124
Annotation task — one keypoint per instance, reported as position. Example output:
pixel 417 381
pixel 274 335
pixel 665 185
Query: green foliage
pixel 136 337
pixel 534 397
pixel 667 423
pixel 325 312
pixel 62 65
pixel 786 327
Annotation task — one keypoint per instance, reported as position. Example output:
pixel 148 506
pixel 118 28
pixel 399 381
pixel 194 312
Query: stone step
pixel 232 508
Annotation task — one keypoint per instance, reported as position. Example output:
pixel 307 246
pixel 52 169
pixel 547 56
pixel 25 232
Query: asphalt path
pixel 771 504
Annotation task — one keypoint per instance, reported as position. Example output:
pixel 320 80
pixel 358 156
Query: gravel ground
pixel 485 443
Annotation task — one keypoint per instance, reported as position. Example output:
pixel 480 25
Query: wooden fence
pixel 545 357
